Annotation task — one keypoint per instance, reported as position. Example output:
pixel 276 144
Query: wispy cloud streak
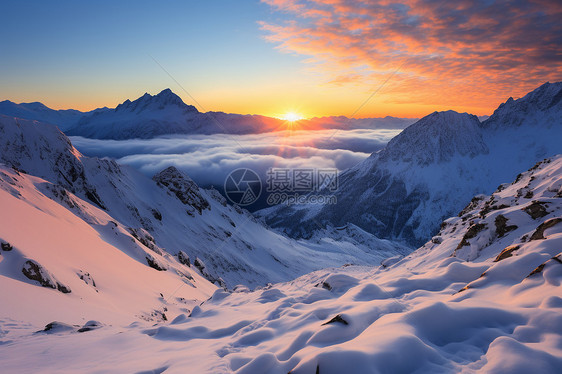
pixel 466 52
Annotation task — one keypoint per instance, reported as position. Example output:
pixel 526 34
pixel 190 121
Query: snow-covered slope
pixel 431 169
pixel 221 240
pixel 481 296
pixel 63 259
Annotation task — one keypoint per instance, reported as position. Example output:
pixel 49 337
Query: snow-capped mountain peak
pixel 436 138
pixel 542 106
pixel 428 171
pixel 154 102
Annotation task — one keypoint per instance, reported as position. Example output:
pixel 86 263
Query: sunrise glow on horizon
pixel 357 59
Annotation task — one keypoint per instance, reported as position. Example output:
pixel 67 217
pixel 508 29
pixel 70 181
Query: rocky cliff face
pixel 183 187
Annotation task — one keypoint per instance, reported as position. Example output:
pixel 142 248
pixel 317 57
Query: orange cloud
pixel 465 53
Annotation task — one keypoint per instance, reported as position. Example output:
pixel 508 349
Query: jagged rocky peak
pixel 540 105
pixel 185 189
pixel 160 101
pixel 436 138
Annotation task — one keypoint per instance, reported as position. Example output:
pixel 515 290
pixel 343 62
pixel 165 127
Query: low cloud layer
pixel 208 159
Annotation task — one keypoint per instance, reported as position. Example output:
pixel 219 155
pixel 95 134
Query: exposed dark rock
pixel 216 195
pixel 89 326
pixel 187 276
pixel 556 259
pixel 145 239
pixel 537 209
pixel 200 265
pixel 185 189
pixel 537 270
pixel 490 206
pixel 183 258
pixel 86 277
pixel 468 286
pixel 153 263
pixel 472 205
pixel 228 219
pixel 34 271
pixel 156 214
pixel 337 319
pixel 472 231
pixel 507 252
pixel 6 246
pixel 518 178
pixel 501 187
pixel 539 232
pixel 57 327
pixel 501 226
pixel 93 196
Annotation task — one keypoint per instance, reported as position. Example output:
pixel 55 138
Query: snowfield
pixel 482 295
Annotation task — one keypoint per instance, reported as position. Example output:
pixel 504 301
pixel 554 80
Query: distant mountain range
pixel 150 116
pixel 432 169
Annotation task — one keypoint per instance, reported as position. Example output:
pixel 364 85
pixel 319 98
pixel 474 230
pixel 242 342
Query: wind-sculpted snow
pixel 431 169
pixel 481 296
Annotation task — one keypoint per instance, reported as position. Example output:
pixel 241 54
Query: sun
pixel 292 117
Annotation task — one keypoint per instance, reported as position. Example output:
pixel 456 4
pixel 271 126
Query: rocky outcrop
pixel 507 252
pixel 154 263
pixel 472 231
pixel 35 272
pixel 183 258
pixel 200 265
pixel 185 189
pixel 6 246
pixel 502 227
pixel 539 232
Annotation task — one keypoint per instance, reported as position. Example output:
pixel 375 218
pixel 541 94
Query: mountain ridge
pixel 178 215
pixel 423 176
pixel 166 114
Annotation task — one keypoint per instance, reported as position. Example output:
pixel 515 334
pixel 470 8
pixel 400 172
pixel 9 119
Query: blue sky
pixel 90 54
pixel 272 57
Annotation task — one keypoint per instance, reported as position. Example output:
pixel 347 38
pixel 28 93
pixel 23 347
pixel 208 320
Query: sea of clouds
pixel 208 159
